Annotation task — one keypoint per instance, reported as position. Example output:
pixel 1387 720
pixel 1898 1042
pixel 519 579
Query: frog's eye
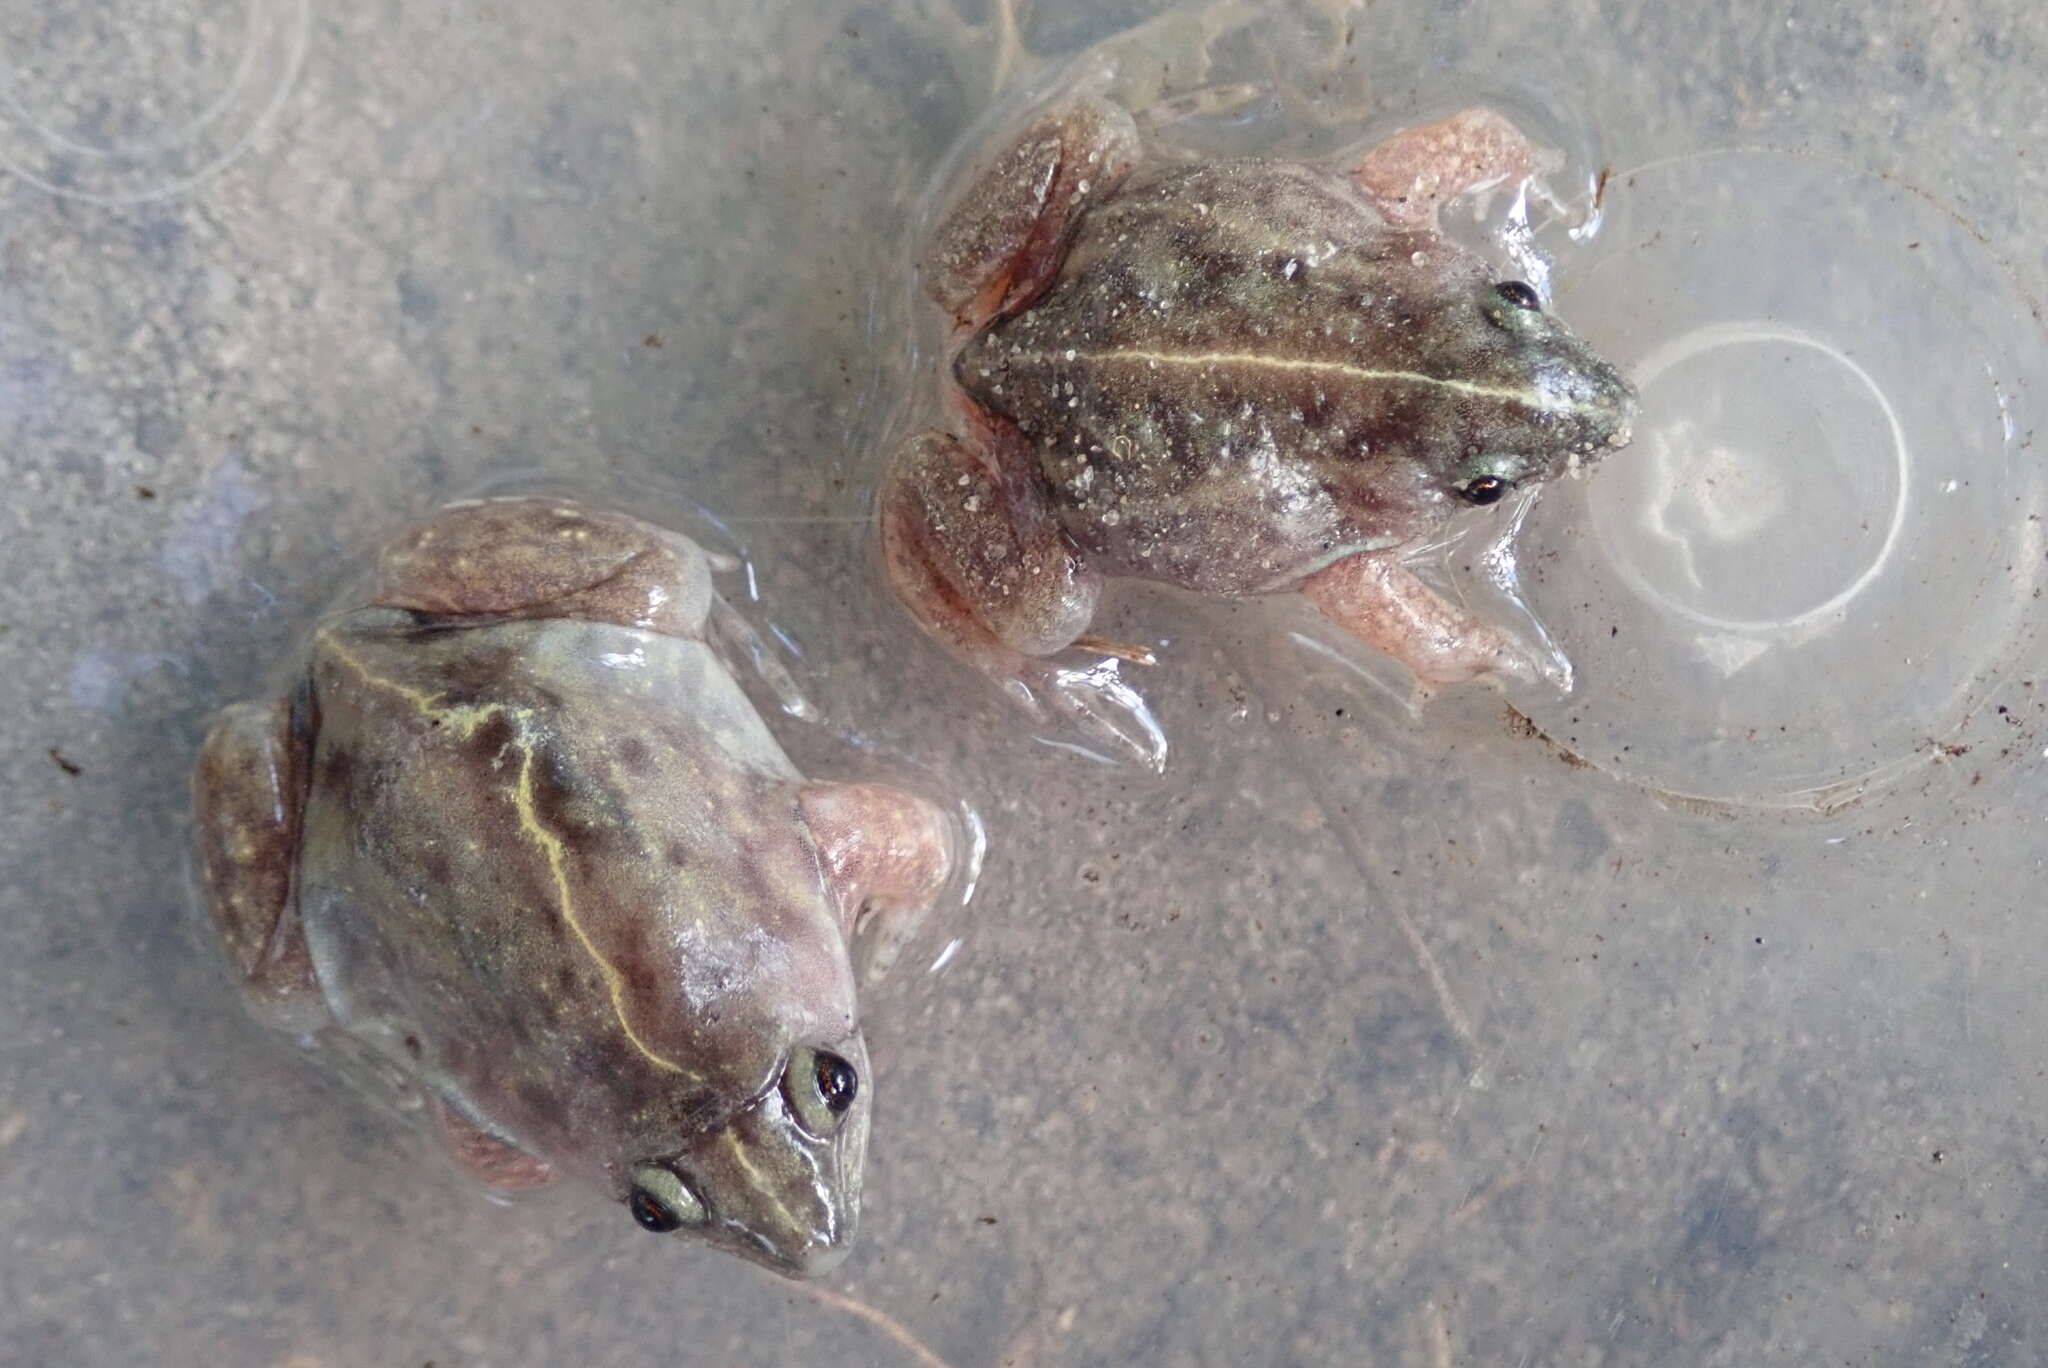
pixel 1519 293
pixel 820 1087
pixel 837 1081
pixel 661 1202
pixel 1485 489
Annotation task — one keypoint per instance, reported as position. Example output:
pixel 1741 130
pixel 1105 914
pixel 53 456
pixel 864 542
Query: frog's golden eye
pixel 1485 489
pixel 820 1087
pixel 660 1201
pixel 1519 293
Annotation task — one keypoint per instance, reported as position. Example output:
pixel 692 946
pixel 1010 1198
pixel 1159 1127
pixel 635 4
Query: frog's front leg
pixel 249 792
pixel 1380 601
pixel 972 546
pixel 1003 240
pixel 494 1162
pixel 881 848
pixel 1414 173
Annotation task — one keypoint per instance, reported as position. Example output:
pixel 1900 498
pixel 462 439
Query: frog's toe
pixel 1527 663
pixel 1099 704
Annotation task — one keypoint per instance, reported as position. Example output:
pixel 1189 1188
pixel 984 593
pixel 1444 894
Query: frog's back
pixel 1213 356
pixel 566 909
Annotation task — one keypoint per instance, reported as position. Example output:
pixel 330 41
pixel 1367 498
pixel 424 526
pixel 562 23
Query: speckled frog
pixel 518 835
pixel 1239 377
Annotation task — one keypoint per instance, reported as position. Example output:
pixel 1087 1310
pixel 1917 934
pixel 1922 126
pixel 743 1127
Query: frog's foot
pixel 1096 701
pixel 1001 243
pixel 248 793
pixel 1414 173
pixel 495 1163
pixel 1382 603
pixel 548 558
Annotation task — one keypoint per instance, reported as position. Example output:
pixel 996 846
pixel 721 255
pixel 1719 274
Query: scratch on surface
pixel 1439 1337
pixel 1461 1025
pixel 1446 1001
pixel 881 1320
pixel 1476 1200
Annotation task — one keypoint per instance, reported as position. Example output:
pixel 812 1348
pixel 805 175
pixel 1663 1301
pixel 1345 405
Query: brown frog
pixel 517 835
pixel 1238 377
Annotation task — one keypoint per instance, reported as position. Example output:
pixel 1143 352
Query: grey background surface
pixel 1355 1039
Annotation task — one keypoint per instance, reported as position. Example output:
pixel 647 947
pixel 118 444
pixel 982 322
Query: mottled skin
pixel 518 832
pixel 1238 377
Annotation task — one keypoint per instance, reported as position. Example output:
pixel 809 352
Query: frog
pixel 1238 377
pixel 516 834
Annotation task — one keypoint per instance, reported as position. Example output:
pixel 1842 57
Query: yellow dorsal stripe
pixel 1309 365
pixel 557 858
pixel 464 720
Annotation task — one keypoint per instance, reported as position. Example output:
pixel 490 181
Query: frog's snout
pixel 813 1257
pixel 1607 411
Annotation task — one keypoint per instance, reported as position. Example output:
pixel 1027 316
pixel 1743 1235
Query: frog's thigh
pixel 972 544
pixel 1415 172
pixel 879 844
pixel 249 792
pixel 1380 601
pixel 491 1161
pixel 1003 238
pixel 551 558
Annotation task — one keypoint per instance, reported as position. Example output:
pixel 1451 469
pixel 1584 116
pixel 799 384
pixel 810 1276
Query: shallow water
pixel 1691 1018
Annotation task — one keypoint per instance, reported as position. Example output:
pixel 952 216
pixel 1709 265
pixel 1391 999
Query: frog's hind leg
pixel 1382 603
pixel 971 545
pixel 532 557
pixel 249 792
pixel 1002 242
pixel 1414 173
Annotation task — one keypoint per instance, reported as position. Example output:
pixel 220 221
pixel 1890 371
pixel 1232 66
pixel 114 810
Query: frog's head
pixel 1537 398
pixel 780 1182
pixel 1496 390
